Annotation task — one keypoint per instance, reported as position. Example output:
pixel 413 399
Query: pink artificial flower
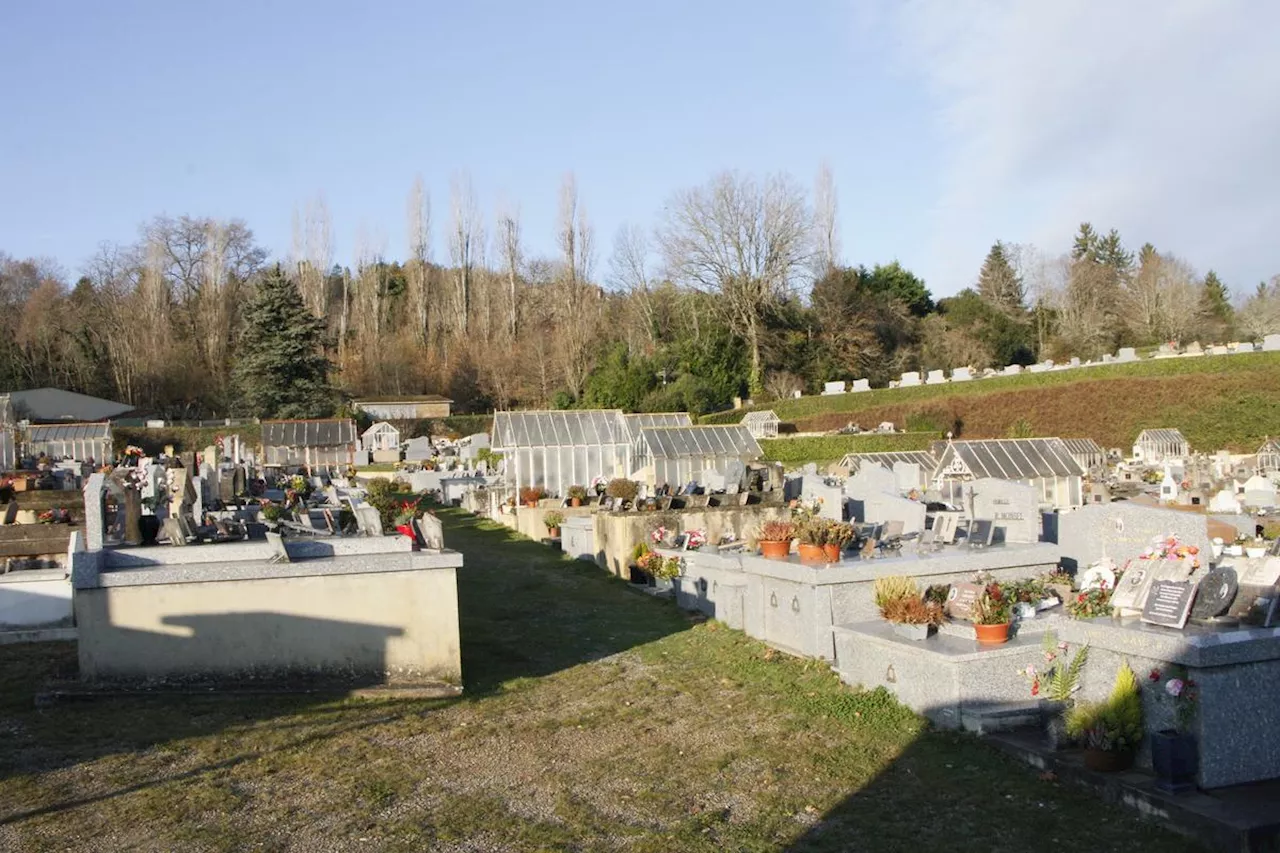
pixel 1174 687
pixel 1155 675
pixel 1062 647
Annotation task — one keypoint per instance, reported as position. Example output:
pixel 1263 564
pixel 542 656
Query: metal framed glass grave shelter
pixel 81 442
pixel 1045 464
pixel 1087 452
pixel 1154 446
pixel 679 455
pixel 321 443
pixel 762 424
pixel 380 436
pixel 556 450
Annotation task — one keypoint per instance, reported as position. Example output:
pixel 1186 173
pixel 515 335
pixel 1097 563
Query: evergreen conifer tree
pixel 282 371
pixel 999 284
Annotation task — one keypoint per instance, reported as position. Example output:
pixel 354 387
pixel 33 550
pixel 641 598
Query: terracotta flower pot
pixel 553 532
pixel 811 553
pixel 531 504
pixel 575 501
pixel 1108 760
pixel 832 553
pixel 775 550
pixel 992 634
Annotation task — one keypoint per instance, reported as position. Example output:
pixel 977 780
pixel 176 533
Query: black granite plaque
pixel 1169 603
pixel 1214 594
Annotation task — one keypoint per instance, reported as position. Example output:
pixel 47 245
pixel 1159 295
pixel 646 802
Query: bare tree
pixel 746 240
pixel 630 271
pixel 419 271
pixel 825 221
pixel 579 299
pixel 313 253
pixel 465 235
pixel 512 255
pixel 1260 314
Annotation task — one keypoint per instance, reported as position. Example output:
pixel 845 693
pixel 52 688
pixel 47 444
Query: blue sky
pixel 944 131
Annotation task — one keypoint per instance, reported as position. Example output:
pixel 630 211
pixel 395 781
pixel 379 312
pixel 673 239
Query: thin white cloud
pixel 1157 117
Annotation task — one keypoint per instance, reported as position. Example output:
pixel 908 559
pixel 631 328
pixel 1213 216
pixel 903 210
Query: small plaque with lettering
pixel 1169 603
pixel 961 599
pixel 1214 594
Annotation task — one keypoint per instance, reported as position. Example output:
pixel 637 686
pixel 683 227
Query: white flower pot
pixel 1235 551
pixel 1254 553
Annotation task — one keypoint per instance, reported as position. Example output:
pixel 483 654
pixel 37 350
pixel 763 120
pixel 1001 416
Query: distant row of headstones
pixel 1271 343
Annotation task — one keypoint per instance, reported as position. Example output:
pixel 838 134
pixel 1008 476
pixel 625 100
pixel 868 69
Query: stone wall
pixel 338 617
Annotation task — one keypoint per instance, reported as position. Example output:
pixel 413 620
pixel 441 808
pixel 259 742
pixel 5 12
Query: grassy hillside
pixel 1218 401
pixel 832 448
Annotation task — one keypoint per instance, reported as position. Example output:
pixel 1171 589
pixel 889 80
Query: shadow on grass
pixel 529 611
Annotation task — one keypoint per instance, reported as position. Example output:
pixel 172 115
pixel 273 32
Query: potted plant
pixel 1059 583
pixel 902 605
pixel 775 539
pixel 1111 730
pixel 839 535
pixel 1055 685
pixel 812 533
pixel 553 520
pixel 530 495
pixel 622 490
pixel 577 494
pixel 664 570
pixel 639 559
pixel 992 614
pixel 271 515
pixel 1174 756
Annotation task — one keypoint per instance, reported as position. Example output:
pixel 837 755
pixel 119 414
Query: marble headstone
pixel 1014 507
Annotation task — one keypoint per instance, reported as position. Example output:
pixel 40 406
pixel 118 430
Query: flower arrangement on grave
pixel 1059 583
pixel 598 485
pixel 663 568
pixel 45 517
pixel 992 614
pixel 1090 603
pixel 694 539
pixel 661 535
pixel 639 552
pixel 1170 548
pixel 1111 730
pixel 577 494
pixel 218 441
pixel 622 489
pixel 133 451
pixel 1179 691
pixel 1059 678
pixel 271 512
pixel 530 495
pixel 552 521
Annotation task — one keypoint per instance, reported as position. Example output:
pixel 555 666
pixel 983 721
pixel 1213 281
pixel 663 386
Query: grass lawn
pixel 594 719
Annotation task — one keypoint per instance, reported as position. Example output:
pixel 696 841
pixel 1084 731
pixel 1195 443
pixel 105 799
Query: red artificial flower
pixel 406 530
pixel 1035 688
pixel 1080 597
pixel 1155 675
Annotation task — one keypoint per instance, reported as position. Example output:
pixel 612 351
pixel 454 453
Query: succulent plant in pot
pixel 775 539
pixel 901 604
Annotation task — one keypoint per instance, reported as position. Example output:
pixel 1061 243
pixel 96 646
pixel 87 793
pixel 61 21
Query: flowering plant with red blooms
pixel 993 607
pixel 1090 604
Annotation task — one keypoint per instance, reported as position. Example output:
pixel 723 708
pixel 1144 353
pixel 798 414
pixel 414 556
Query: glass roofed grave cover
pixel 676 442
pixel 588 428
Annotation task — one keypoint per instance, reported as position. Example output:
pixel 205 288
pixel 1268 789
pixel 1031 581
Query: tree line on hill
pixel 739 288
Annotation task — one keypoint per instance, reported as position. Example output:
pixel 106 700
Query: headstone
pixel 797 394
pixel 1214 594
pixel 713 481
pixel 11 512
pixel 1039 367
pixel 431 532
pixel 833 388
pixel 1194 348
pixel 1126 354
pixel 945 527
pixel 1218 349
pixel 962 374
pixel 861 385
pixel 1123 530
pixel 197 502
pixel 279 554
pixel 872 478
pixel 908 476
pixel 1012 369
pixel 173 530
pixel 961 599
pixel 909 380
pixel 935 377
pixel 829 498
pixel 211 455
pixel 1271 343
pixel 1014 507
pixel 1075 361
pixel 368 520
pixel 1169 603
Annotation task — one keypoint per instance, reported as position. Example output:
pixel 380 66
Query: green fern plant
pixel 1063 679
